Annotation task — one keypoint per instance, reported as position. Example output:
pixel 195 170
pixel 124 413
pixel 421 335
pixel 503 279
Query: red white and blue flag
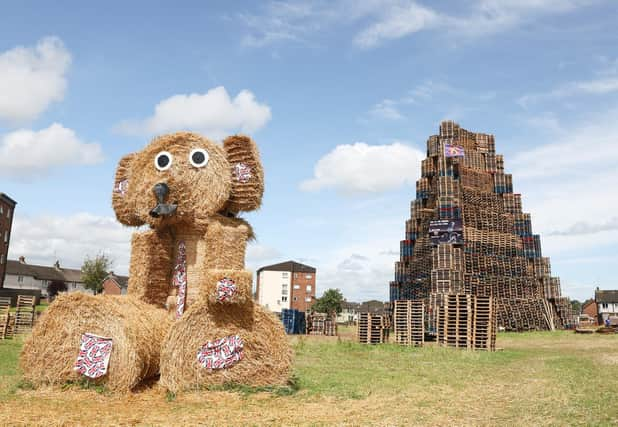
pixel 221 353
pixel 453 150
pixel 179 278
pixel 226 289
pixel 93 358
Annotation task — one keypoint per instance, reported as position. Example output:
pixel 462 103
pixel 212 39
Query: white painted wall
pixel 275 290
pixel 11 281
pixel 611 308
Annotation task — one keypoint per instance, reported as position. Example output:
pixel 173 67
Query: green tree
pixel 94 271
pixel 54 288
pixel 576 306
pixel 329 302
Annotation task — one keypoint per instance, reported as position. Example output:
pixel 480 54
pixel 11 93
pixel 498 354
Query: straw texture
pixel 151 264
pixel 246 193
pixel 137 330
pixel 267 356
pixel 243 281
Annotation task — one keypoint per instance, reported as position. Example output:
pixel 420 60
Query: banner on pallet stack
pixel 453 151
pixel 446 231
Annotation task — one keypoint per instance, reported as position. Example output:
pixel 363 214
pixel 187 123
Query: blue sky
pixel 340 97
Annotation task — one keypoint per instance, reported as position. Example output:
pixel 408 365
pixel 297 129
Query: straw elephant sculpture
pixel 189 314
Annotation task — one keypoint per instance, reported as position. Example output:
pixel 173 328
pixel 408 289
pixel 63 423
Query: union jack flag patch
pixel 94 353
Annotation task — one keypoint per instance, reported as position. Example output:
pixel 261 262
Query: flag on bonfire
pixel 453 150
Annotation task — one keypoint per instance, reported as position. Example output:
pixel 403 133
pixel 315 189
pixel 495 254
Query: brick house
pixel 115 285
pixel 7 208
pixel 589 309
pixel 289 285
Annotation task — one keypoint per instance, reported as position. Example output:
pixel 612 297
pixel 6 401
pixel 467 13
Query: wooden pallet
pixel 372 328
pixel 24 314
pixel 409 322
pixel 467 321
pixel 5 317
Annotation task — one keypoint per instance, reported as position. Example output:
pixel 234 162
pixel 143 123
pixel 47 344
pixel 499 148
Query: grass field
pixel 539 378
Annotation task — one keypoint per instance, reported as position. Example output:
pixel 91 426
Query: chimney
pixel 22 260
pixel 57 265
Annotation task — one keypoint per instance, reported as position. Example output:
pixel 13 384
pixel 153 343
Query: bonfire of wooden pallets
pixel 467 321
pixel 409 322
pixel 489 249
pixel 372 328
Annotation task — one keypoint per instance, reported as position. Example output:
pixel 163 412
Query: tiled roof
pixel 606 296
pixel 292 266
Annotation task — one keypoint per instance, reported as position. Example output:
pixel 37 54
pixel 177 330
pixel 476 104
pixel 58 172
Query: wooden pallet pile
pixel 499 257
pixel 372 328
pixel 5 317
pixel 409 322
pixel 321 324
pixel 467 321
pixel 24 314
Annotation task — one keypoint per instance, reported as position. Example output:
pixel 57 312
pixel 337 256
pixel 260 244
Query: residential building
pixel 7 208
pixel 607 305
pixel 589 309
pixel 349 312
pixel 289 285
pixel 21 275
pixel 115 285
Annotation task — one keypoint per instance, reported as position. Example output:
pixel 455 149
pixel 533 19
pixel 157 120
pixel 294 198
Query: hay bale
pixel 267 357
pixel 137 330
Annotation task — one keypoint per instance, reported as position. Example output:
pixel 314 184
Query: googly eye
pixel 198 157
pixel 163 160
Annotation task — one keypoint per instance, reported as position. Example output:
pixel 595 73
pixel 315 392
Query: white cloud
pixel 213 113
pixel 398 21
pixel 600 86
pixel 31 79
pixel 387 109
pixel 46 238
pixel 258 253
pixel 363 168
pixel 27 154
pixel 385 20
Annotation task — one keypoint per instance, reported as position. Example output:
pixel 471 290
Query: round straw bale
pixel 136 328
pixel 267 357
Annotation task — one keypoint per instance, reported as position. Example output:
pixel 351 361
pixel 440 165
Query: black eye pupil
pixel 198 157
pixel 163 161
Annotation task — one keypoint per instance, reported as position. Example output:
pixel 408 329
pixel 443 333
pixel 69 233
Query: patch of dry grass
pixel 539 379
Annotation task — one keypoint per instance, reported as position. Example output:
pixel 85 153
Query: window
pixel 295 298
pixel 308 299
pixel 308 288
pixel 1 258
pixel 308 276
pixel 296 286
pixel 285 275
pixel 284 298
pixel 6 236
pixel 8 213
pixel 604 305
pixel 1 209
pixel 20 279
pixel 295 275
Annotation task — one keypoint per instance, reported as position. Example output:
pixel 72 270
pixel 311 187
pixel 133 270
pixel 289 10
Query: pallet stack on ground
pixel 321 324
pixel 24 314
pixel 464 181
pixel 467 321
pixel 409 322
pixel 372 328
pixel 5 317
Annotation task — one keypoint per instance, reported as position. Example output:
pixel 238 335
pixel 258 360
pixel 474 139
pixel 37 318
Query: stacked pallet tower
pixel 5 317
pixel 483 245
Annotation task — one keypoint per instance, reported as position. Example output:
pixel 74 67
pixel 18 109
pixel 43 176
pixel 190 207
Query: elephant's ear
pixel 247 173
pixel 123 204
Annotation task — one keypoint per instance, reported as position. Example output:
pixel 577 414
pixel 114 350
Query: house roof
pixel 606 296
pixel 350 305
pixel 292 266
pixel 7 199
pixel 41 272
pixel 122 281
